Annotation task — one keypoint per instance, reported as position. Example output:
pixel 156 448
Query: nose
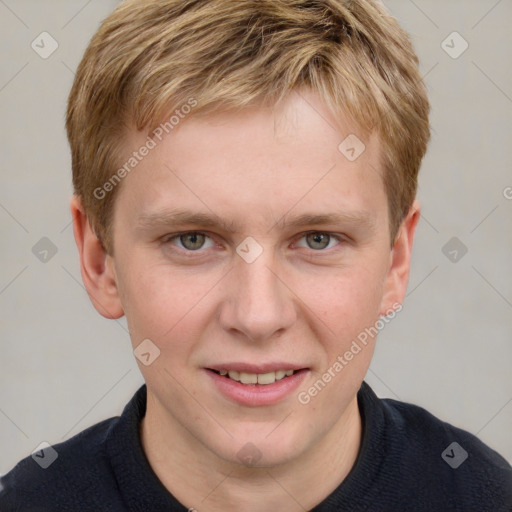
pixel 258 303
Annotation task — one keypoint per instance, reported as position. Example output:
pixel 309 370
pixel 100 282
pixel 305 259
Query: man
pixel 245 177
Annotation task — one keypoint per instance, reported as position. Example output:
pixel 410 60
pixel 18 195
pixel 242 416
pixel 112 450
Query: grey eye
pixel 192 241
pixel 318 240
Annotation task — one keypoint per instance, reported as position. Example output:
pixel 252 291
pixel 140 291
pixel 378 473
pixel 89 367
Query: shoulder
pixel 55 476
pixel 465 473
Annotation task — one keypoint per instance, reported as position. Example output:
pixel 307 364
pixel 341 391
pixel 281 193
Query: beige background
pixel 63 367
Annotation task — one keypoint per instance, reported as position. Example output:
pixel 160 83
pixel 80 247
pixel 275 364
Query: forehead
pixel 260 163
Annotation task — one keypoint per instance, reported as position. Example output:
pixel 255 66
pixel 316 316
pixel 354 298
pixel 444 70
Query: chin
pixel 264 448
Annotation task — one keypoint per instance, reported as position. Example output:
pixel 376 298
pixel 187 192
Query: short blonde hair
pixel 152 56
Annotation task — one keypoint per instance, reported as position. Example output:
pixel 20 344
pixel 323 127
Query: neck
pixel 201 480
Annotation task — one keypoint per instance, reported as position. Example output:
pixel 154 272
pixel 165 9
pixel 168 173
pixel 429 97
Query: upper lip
pixel 255 368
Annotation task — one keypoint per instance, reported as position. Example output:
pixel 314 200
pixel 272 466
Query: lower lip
pixel 254 395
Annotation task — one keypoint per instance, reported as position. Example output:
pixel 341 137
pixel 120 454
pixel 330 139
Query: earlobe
pixel 96 266
pixel 398 274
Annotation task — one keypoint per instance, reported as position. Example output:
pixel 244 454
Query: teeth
pixel 248 378
pixel 257 378
pixel 267 378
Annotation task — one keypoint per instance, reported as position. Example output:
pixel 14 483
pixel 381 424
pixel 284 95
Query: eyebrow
pixel 355 219
pixel 172 217
pixel 166 218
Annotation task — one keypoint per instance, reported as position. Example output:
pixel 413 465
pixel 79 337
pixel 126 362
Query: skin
pixel 294 303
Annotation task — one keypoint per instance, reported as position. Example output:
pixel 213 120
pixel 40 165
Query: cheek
pixel 162 305
pixel 346 300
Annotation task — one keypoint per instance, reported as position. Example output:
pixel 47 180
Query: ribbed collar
pixel 139 486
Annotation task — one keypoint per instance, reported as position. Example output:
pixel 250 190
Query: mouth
pixel 247 378
pixel 257 385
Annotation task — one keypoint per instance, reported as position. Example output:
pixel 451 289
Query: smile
pixel 255 378
pixel 257 385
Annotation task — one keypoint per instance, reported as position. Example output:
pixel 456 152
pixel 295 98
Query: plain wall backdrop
pixel 63 367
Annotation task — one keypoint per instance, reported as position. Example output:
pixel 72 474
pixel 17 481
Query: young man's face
pixel 284 260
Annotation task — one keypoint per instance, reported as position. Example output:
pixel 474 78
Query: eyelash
pixel 170 238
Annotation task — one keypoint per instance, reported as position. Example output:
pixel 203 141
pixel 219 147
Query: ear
pixel 96 265
pixel 398 274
